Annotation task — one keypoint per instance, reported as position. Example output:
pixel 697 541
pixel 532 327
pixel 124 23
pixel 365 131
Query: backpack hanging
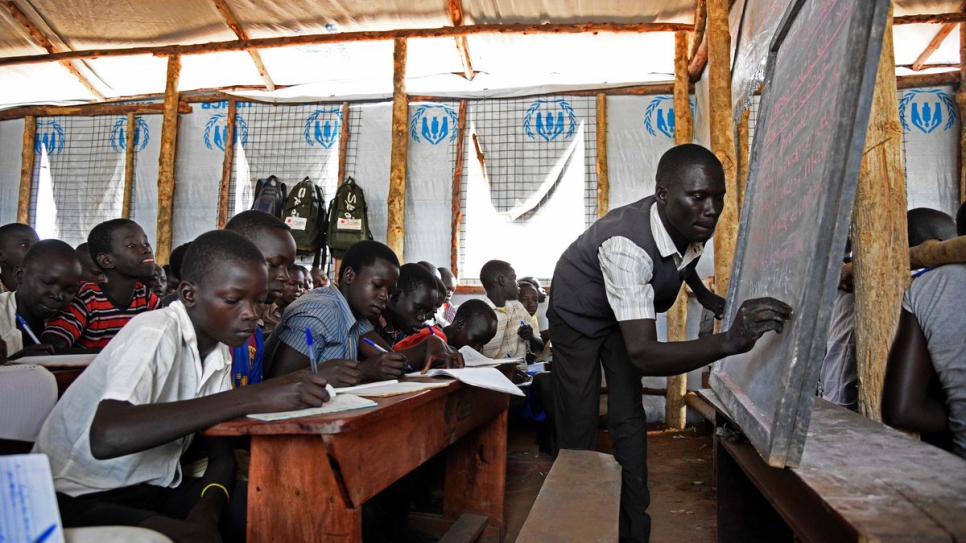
pixel 305 214
pixel 348 218
pixel 270 195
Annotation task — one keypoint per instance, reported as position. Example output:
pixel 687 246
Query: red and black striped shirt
pixel 91 320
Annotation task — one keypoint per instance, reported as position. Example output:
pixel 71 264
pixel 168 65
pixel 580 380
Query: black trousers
pixel 577 360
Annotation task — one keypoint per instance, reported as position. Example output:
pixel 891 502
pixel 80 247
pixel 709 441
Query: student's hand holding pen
pixel 341 372
pixel 296 390
pixel 440 355
pixel 384 366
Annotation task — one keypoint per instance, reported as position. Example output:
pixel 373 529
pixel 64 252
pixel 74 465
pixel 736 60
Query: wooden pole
pixel 462 49
pixel 226 165
pixel 938 18
pixel 395 237
pixel 603 181
pixel 457 213
pixel 229 17
pixel 722 138
pixel 961 101
pixel 697 36
pixel 677 316
pixel 343 143
pixel 928 80
pixel 169 140
pixel 129 151
pixel 744 157
pixel 879 235
pixel 88 110
pixel 26 168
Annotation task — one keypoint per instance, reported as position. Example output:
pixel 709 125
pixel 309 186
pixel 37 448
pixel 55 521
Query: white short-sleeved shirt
pixel 154 359
pixel 8 323
pixel 506 343
pixel 628 270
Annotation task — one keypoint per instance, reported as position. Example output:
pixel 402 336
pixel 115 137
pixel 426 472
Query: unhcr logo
pixel 324 127
pixel 434 123
pixel 49 136
pixel 552 118
pixel 217 128
pixel 119 134
pixel 659 115
pixel 926 109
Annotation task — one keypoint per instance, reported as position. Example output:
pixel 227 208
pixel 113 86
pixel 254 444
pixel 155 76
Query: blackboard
pixel 802 179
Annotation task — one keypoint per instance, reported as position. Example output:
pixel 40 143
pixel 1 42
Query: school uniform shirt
pixel 248 361
pixel 154 359
pixel 9 332
pixel 270 318
pixel 335 331
pixel 91 320
pixel 3 288
pixel 449 312
pixel 507 343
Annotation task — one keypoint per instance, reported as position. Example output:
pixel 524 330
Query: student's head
pixel 690 192
pixel 449 279
pixel 15 240
pixel 367 276
pixel 274 239
pixel 475 325
pixel 429 266
pixel 961 220
pixel 307 284
pixel 160 283
pixel 294 286
pixel 440 293
pixel 223 286
pixel 498 278
pixel 91 272
pixel 121 248
pixel 925 224
pixel 49 275
pixel 536 284
pixel 319 278
pixel 414 300
pixel 529 297
pixel 175 261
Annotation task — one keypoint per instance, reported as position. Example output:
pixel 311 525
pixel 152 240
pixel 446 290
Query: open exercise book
pixel 336 403
pixel 474 359
pixel 28 505
pixel 488 378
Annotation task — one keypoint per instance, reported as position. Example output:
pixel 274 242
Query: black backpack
pixel 348 218
pixel 305 214
pixel 270 196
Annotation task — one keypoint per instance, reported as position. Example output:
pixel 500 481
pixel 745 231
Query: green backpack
pixel 304 213
pixel 348 218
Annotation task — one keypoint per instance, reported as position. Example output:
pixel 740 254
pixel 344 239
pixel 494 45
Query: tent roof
pixel 506 64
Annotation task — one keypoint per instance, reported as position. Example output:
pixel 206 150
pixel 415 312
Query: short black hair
pixel 15 228
pixel 50 248
pixel 470 308
pixel 493 269
pixel 676 160
pixel 250 223
pixel 961 220
pixel 443 272
pixel 176 259
pixel 364 253
pixel 99 240
pixel 217 248
pixel 925 223
pixel 412 276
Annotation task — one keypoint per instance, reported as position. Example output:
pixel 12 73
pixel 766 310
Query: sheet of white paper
pixel 58 360
pixel 342 402
pixel 364 386
pixel 396 388
pixel 474 359
pixel 28 506
pixel 488 378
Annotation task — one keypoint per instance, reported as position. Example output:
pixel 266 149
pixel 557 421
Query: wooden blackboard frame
pixel 777 426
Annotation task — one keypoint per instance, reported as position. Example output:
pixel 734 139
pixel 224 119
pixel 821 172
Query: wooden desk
pixel 858 481
pixel 310 476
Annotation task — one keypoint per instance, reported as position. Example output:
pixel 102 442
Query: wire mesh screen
pixel 78 178
pixel 529 181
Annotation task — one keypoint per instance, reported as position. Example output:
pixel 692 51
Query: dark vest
pixel 578 295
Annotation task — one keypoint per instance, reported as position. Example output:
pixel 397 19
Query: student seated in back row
pixel 116 437
pixel 100 310
pixel 92 273
pixel 15 240
pixel 500 282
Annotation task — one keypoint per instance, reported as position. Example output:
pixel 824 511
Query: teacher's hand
pixel 753 319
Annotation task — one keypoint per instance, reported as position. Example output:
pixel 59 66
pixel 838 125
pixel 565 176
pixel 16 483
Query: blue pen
pixel 27 329
pixel 308 341
pixel 377 347
pixel 46 534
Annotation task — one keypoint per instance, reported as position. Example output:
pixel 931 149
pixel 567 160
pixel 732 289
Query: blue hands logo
pixel 119 136
pixel 550 119
pixel 217 130
pixel 324 127
pixel 924 108
pixel 662 107
pixel 51 136
pixel 434 123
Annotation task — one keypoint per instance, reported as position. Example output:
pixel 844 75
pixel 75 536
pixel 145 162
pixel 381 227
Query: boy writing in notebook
pixel 15 240
pixel 116 437
pixel 100 310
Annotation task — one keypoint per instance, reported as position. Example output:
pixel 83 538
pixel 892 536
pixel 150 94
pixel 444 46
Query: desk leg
pixel 743 512
pixel 476 476
pixel 294 494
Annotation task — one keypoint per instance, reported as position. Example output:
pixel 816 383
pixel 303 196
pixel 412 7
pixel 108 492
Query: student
pixel 15 240
pixel 174 275
pixel 157 281
pixel 308 284
pixel 529 297
pixel 500 282
pixel 319 278
pixel 608 287
pixel 448 311
pixel 100 310
pixel 47 279
pixel 403 322
pixel 116 437
pixel 437 315
pixel 431 268
pixel 474 324
pixel 91 272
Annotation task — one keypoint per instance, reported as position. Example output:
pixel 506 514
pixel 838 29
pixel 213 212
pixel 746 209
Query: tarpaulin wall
pixel 11 140
pixel 930 135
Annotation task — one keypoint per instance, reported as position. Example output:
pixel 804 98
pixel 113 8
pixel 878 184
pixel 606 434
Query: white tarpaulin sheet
pixel 11 141
pixel 930 133
pixel 370 168
pixel 197 174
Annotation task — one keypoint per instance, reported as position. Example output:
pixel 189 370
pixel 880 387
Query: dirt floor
pixel 680 479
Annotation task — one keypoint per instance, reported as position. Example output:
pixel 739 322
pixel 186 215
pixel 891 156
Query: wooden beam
pixel 936 66
pixel 938 18
pixel 927 80
pixel 232 22
pixel 343 143
pixel 879 236
pixel 744 157
pixel 462 49
pixel 934 44
pixel 348 37
pixel 395 232
pixel 700 23
pixel 129 151
pixel 88 110
pixel 722 138
pixel 226 164
pixel 26 168
pixel 456 216
pixel 603 180
pixel 169 141
pixel 683 122
pixel 699 61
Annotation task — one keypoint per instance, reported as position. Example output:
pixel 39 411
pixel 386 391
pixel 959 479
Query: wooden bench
pixel 579 501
